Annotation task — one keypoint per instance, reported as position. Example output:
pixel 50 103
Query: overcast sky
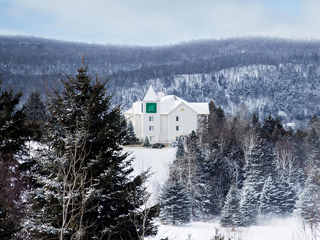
pixel 159 22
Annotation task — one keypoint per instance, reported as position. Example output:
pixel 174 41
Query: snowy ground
pixel 158 161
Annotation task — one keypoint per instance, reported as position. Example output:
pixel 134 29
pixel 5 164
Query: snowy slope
pixel 158 160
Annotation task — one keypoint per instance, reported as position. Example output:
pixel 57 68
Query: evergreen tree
pixel 249 205
pixel 255 122
pixel 193 176
pixel 85 133
pixel 34 108
pixel 269 204
pixel 313 139
pixel 175 203
pixel 131 135
pixel 308 205
pixel 180 150
pixel 14 133
pixel 286 196
pixel 146 142
pixel 259 163
pixel 231 213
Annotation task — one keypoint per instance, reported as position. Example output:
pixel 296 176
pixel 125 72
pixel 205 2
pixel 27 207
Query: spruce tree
pixel 175 203
pixel 130 137
pixel 34 107
pixel 249 206
pixel 231 213
pixel 259 163
pixel 146 142
pixel 269 204
pixel 194 176
pixel 308 205
pixel 180 150
pixel 286 197
pixel 14 133
pixel 84 131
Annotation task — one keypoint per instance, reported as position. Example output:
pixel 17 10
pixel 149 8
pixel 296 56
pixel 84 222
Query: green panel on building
pixel 151 107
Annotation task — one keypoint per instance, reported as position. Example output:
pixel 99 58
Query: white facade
pixel 164 118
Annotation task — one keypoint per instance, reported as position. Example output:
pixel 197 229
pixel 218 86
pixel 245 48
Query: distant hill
pixel 267 75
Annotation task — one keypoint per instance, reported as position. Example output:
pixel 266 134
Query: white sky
pixel 150 22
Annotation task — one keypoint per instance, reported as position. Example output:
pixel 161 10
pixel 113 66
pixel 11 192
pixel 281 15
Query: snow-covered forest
pixel 243 167
pixel 268 75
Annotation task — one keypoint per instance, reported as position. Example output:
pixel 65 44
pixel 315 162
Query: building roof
pixel 151 95
pixel 169 103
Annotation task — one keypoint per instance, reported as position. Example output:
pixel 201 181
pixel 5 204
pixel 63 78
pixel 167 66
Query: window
pixel 151 138
pixel 150 119
pixel 177 128
pixel 151 128
pixel 177 119
pixel 177 138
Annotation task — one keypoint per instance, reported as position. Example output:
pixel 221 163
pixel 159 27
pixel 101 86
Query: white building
pixel 164 118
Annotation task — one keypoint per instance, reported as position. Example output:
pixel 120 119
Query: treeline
pixel 34 64
pixel 64 174
pixel 244 170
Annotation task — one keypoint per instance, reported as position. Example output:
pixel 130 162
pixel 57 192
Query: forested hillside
pixel 267 75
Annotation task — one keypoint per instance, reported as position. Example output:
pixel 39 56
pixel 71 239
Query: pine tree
pixel 14 133
pixel 146 142
pixel 131 136
pixel 180 150
pixel 249 205
pixel 193 176
pixel 85 132
pixel 34 108
pixel 230 214
pixel 269 204
pixel 175 203
pixel 313 140
pixel 308 205
pixel 259 163
pixel 286 196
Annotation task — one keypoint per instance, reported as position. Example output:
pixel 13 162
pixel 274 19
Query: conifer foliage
pixel 83 184
pixel 175 203
pixel 230 213
pixel 14 132
pixel 34 108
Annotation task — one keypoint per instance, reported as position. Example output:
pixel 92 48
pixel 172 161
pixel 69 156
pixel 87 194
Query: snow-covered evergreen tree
pixel 230 214
pixel 269 204
pixel 287 196
pixel 308 205
pixel 34 108
pixel 146 142
pixel 175 203
pixel 249 206
pixel 193 176
pixel 131 136
pixel 259 163
pixel 14 133
pixel 180 150
pixel 85 157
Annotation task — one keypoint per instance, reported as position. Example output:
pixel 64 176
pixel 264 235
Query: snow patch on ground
pixel 158 160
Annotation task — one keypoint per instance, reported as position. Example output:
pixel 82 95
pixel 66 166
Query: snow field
pixel 159 160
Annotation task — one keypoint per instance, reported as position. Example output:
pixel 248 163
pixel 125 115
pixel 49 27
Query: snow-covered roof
pixel 171 102
pixel 168 104
pixel 150 95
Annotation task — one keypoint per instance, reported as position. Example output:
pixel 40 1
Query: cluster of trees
pixel 246 171
pixel 272 67
pixel 78 183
